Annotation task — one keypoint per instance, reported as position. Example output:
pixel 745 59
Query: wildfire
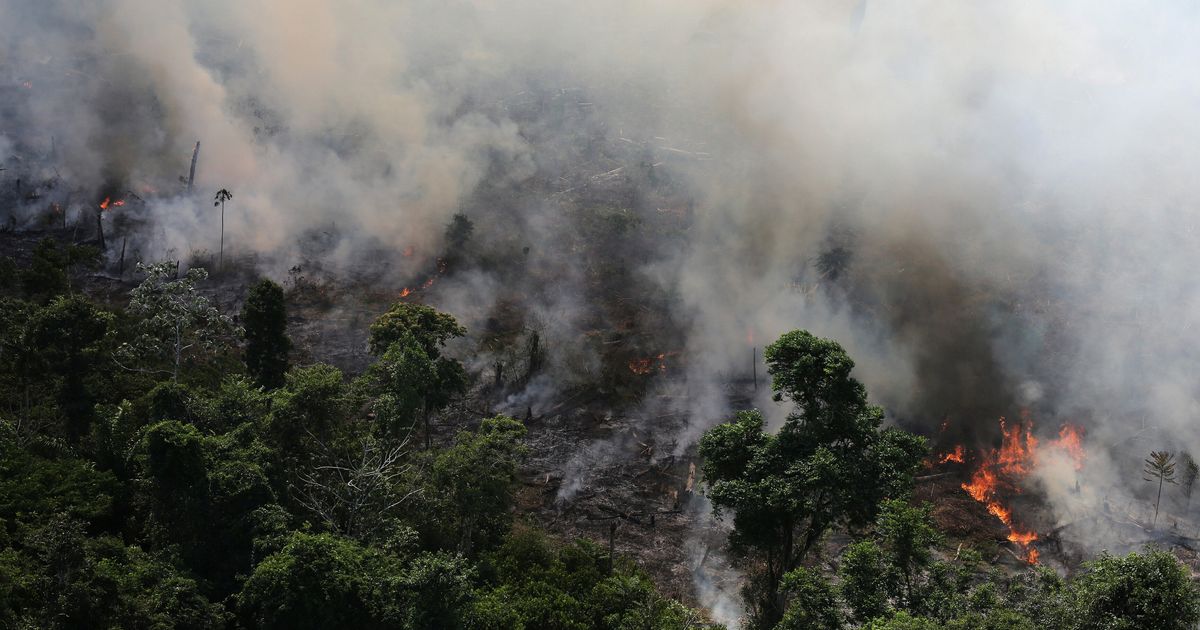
pixel 1001 469
pixel 108 202
pixel 954 456
pixel 1070 439
pixel 650 364
pixel 441 268
pixel 998 471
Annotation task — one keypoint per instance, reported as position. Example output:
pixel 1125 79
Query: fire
pixel 108 202
pixel 1001 469
pixel 650 364
pixel 104 204
pixel 408 252
pixel 441 268
pixel 998 471
pixel 954 456
pixel 1070 439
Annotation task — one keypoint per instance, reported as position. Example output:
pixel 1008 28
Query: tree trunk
pixel 221 255
pixel 100 228
pixel 178 352
pixel 192 172
pixel 1157 501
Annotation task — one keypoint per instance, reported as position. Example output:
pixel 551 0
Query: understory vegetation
pixel 165 466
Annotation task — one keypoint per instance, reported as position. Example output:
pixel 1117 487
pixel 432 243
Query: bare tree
pixel 352 490
pixel 221 197
pixel 1160 467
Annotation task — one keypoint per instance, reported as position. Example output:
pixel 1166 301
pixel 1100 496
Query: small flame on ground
pixel 650 364
pixel 441 268
pixel 954 456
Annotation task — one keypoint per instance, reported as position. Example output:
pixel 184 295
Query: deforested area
pixel 680 314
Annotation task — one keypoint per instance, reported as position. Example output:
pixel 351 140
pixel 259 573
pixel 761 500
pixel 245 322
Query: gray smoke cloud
pixel 992 206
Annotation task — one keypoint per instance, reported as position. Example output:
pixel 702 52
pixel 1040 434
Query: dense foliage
pixel 830 464
pixel 163 468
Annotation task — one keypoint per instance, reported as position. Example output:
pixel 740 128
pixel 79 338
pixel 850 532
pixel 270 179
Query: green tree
pixel 68 335
pixel 829 465
pixel 319 581
pixel 864 581
pixel 175 321
pixel 814 602
pixel 1160 467
pixel 903 621
pixel 471 486
pixel 908 535
pixel 429 327
pixel 264 319
pixel 1140 591
pixel 48 275
pixel 409 339
pixel 63 579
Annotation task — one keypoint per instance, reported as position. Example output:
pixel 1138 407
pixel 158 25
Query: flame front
pixel 997 470
pixel 1000 470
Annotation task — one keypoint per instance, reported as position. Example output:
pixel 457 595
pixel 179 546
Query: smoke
pixel 992 206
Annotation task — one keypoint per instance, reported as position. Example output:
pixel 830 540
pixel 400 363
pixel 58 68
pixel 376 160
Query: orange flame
pixel 650 364
pixel 1070 439
pixel 104 204
pixel 406 292
pixel 1014 458
pixel 955 456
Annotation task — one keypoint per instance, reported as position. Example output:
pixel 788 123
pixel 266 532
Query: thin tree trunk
pixel 221 255
pixel 192 172
pixel 1157 501
pixel 178 352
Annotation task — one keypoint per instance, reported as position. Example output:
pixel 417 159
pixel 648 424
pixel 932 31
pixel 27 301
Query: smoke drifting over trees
pixel 991 206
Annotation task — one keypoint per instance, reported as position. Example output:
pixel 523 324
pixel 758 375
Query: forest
pixel 167 465
pixel 634 314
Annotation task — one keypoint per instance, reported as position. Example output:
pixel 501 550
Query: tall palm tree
pixel 223 195
pixel 1161 467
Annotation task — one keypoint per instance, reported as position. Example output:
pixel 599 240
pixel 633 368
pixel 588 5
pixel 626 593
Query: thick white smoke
pixel 979 200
